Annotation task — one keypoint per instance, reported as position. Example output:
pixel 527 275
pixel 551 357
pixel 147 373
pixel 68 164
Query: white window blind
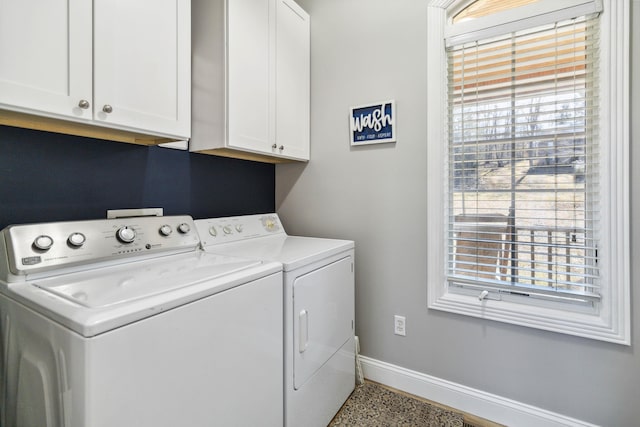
pixel 523 163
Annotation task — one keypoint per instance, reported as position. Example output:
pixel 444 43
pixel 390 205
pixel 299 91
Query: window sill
pixel 582 321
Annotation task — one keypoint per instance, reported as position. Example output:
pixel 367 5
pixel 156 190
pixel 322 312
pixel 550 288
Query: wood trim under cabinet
pixel 29 121
pixel 243 155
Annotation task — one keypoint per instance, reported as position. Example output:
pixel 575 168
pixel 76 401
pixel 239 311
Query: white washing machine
pixel 127 322
pixel 318 280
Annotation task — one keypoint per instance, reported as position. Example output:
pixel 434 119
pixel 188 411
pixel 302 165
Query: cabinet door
pixel 45 56
pixel 292 81
pixel 250 74
pixel 142 54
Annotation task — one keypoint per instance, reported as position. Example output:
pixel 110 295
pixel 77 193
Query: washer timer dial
pixel 126 234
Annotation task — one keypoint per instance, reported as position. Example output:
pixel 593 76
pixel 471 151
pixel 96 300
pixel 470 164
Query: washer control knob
pixel 239 228
pixel 126 234
pixel 43 242
pixel 76 239
pixel 213 231
pixel 184 228
pixel 166 230
pixel 226 229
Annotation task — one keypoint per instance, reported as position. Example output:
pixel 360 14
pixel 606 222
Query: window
pixel 535 219
pixel 523 163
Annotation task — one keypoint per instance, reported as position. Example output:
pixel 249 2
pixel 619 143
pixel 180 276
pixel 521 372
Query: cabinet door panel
pixel 250 74
pixel 142 64
pixel 45 56
pixel 292 81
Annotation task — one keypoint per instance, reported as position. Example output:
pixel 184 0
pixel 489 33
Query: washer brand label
pixel 31 260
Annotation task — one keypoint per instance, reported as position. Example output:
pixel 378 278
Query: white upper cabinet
pixel 251 73
pixel 45 56
pixel 121 64
pixel 142 64
pixel 292 80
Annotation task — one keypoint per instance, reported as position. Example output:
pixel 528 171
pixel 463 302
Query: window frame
pixel 610 319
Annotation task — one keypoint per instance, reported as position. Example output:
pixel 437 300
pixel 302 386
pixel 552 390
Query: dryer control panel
pixel 214 231
pixel 34 248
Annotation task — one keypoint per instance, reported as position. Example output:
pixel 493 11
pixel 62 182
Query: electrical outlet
pixel 399 325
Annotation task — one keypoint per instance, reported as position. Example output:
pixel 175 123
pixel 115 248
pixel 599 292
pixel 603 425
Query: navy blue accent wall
pixel 48 177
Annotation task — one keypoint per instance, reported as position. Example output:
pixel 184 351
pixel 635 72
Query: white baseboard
pixel 476 402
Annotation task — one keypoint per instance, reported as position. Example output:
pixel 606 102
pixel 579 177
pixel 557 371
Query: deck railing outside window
pixel 535 256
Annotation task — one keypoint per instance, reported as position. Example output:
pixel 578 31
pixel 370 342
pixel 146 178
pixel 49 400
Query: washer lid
pixel 95 301
pixel 134 281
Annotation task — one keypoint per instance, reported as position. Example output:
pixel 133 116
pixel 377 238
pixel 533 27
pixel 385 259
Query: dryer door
pixel 323 313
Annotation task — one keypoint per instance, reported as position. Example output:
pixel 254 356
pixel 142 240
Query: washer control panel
pixel 34 248
pixel 215 231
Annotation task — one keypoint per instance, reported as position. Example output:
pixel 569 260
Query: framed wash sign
pixel 373 123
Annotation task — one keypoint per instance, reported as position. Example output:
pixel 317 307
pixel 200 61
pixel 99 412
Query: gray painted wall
pixel 373 50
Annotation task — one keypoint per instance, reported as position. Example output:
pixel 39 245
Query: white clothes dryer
pixel 319 351
pixel 127 322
